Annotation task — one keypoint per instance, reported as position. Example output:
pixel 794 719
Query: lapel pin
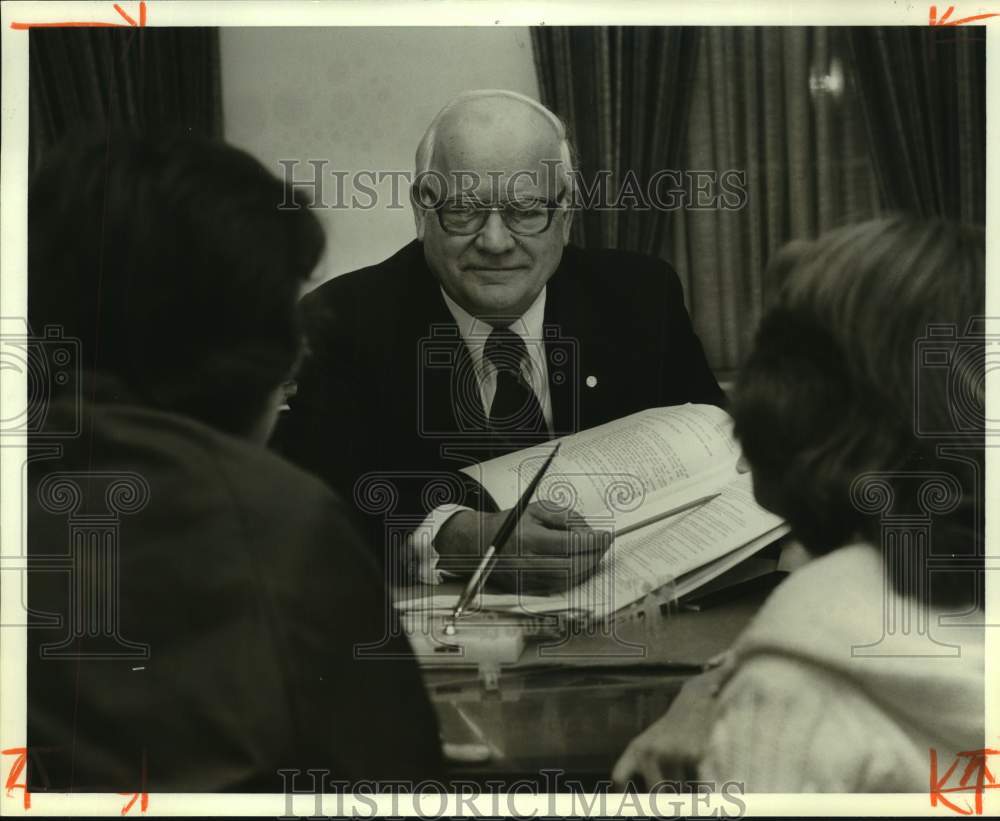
pixel 591 381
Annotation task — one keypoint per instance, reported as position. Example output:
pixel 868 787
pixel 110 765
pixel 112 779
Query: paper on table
pixel 646 559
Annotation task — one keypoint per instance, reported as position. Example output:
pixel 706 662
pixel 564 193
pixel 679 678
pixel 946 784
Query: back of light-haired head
pixel 836 387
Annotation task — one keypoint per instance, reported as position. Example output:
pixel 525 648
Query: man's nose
pixel 495 237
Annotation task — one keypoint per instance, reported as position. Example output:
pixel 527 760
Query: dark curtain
pixel 150 79
pixel 624 94
pixel 923 92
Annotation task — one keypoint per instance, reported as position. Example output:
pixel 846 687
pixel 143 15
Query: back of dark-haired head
pixel 172 263
pixel 834 390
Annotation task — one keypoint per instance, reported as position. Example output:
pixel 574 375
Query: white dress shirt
pixel 475 332
pixel 535 371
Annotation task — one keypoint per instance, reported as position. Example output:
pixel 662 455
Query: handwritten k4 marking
pixel 975 765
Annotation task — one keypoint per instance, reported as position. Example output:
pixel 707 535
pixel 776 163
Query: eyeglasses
pixel 524 218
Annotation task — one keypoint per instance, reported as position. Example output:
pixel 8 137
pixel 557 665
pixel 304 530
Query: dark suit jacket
pixel 387 395
pixel 246 581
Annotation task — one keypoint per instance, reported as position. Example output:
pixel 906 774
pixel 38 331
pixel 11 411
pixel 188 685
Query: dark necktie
pixel 515 414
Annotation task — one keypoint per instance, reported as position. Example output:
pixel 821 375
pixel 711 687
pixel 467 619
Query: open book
pixel 628 475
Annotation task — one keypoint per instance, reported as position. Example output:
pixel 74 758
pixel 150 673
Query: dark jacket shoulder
pixel 369 286
pixel 619 273
pixel 251 588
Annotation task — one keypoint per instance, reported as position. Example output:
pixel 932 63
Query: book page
pixel 696 579
pixel 645 560
pixel 648 558
pixel 611 469
pixel 671 499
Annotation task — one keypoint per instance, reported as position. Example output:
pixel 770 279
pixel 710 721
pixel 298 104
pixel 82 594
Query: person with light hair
pixel 488 333
pixel 861 415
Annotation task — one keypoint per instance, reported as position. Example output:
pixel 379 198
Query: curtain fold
pixel 828 125
pixel 624 94
pixel 772 104
pixel 146 78
pixel 923 93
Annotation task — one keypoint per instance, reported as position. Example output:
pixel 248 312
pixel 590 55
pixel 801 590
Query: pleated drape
pixel 149 79
pixel 923 94
pixel 776 104
pixel 773 104
pixel 608 84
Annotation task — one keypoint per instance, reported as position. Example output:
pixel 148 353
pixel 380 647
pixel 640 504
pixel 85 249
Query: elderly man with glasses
pixel 488 333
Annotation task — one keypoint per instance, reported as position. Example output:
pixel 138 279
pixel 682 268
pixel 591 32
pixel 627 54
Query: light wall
pixel 358 98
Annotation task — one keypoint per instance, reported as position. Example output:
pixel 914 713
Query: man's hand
pixel 671 747
pixel 550 550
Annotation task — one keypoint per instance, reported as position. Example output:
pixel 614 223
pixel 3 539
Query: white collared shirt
pixel 474 333
pixel 528 326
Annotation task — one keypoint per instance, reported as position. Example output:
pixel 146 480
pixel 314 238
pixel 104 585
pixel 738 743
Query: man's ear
pixel 419 212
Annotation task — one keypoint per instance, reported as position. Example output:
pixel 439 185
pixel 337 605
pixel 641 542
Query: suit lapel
pixel 573 345
pixel 447 393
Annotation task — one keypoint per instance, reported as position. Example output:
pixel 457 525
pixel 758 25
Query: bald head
pixel 493 131
pixel 493 134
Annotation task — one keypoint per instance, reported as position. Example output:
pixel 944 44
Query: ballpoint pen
pixel 503 534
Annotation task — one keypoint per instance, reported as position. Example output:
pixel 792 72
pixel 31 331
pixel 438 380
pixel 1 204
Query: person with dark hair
pixel 861 414
pixel 206 633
